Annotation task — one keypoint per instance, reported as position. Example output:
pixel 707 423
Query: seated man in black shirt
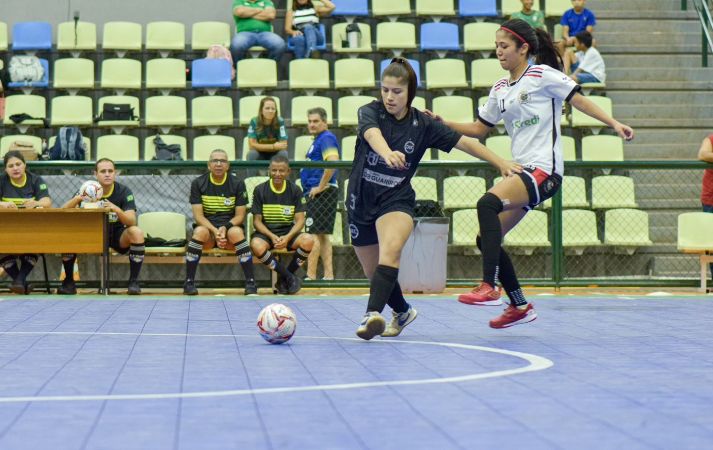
pixel 278 217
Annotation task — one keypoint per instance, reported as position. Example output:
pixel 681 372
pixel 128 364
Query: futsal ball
pixel 91 191
pixel 276 323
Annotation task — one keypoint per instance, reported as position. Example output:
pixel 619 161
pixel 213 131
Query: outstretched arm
pixel 475 148
pixel 583 104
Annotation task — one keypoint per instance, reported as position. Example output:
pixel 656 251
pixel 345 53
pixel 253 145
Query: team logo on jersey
pixel 353 231
pixel 523 97
pixel 227 201
pixel 409 146
pixel 372 158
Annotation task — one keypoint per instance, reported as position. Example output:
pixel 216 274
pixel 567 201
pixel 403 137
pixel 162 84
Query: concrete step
pixel 676 266
pixel 612 45
pixel 636 5
pixel 655 14
pixel 664 85
pixel 662 111
pixel 679 203
pixel 623 37
pixel 641 97
pixel 686 122
pixel 666 177
pixel 614 61
pixel 656 151
pixel 660 74
pixel 643 27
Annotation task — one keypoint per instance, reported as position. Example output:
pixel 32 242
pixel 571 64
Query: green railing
pixel 703 10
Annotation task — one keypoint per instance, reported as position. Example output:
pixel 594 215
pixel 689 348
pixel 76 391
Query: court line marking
pixel 535 363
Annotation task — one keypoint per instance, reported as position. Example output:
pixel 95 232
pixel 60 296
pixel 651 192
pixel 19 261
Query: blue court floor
pixel 172 373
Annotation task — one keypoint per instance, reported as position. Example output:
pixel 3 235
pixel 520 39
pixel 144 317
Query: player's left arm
pixel 583 104
pixel 239 217
pixel 127 217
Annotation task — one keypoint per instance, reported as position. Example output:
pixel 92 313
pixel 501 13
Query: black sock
pixel 382 283
pixel 68 261
pixel 9 263
pixel 517 298
pixel 270 261
pixel 27 264
pixel 136 259
pixel 489 206
pixel 396 301
pixel 245 258
pixel 298 260
pixel 194 250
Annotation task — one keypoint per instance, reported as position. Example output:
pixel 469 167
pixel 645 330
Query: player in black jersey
pixel 218 200
pixel 278 217
pixel 21 189
pixel 124 235
pixel 392 139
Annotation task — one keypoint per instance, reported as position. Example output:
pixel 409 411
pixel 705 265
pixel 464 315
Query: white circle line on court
pixel 535 363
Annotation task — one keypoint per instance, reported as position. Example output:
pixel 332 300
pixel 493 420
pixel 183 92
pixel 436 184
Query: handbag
pixel 27 150
pixel 116 112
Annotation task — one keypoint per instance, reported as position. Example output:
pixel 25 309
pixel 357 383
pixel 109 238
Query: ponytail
pixel 539 43
pixel 546 52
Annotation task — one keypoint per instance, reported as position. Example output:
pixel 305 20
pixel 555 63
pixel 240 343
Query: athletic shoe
pixel 514 316
pixel 399 322
pixel 280 286
pixel 250 287
pixel 189 288
pixel 67 288
pixel 371 325
pixel 483 295
pixel 293 284
pixel 134 288
pixel 20 287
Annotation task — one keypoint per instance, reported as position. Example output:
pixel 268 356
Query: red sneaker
pixel 513 316
pixel 483 295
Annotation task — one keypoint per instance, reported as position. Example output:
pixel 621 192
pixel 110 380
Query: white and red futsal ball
pixel 276 323
pixel 91 191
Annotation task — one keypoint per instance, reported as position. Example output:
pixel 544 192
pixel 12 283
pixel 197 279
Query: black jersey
pixel 278 208
pixel 121 196
pixel 373 186
pixel 218 199
pixel 34 188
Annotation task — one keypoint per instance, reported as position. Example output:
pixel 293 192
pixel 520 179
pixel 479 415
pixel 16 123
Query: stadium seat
pixel 322 47
pixel 348 147
pixel 249 106
pixel 256 74
pixel 166 111
pixel 602 148
pixel 480 37
pixel 574 192
pixel 627 228
pixel 477 8
pixel 613 191
pixel 3 36
pixel 165 225
pixel 414 64
pixel 73 74
pixel 121 74
pixel 122 37
pixel 512 6
pixel 447 74
pixel 354 74
pixel 530 233
pixel 71 110
pixel 465 227
pixel 500 145
pixel 348 107
pixel 396 36
pixel 440 37
pixel 419 103
pixel 165 37
pixel 579 230
pixel 462 191
pixel 390 8
pixel 425 188
pixel 437 8
pixel 211 73
pixel 31 36
pixel 569 151
pixel 351 8
pixel 6 141
pixel 301 146
pixel 87 146
pixel 212 111
pixel 301 104
pixel 581 120
pixel 245 149
pixel 203 145
pixel 34 105
pixel 251 183
pixel 205 34
pixel 485 72
pixel 168 139
pixel 165 74
pixel 692 240
pixel 118 147
pixel 28 86
pixel 339 34
pixel 337 236
pixel 453 108
pixel 556 8
pixel 118 125
pixel 309 74
pixel 85 38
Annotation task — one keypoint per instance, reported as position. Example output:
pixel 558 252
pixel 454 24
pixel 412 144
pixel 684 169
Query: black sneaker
pixel 293 284
pixel 67 288
pixel 189 288
pixel 280 285
pixel 250 287
pixel 134 288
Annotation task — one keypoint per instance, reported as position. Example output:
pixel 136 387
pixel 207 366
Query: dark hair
pixel 401 68
pixel 274 124
pixel 585 37
pixel 296 6
pixel 96 165
pixel 279 159
pixel 318 110
pixel 12 154
pixel 538 40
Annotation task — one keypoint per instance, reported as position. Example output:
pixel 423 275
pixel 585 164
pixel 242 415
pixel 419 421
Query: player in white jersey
pixel 529 101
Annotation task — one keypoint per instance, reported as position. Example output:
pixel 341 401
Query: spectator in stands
pixel 253 25
pixel 573 22
pixel 705 153
pixel 278 217
pixel 124 235
pixel 20 189
pixel 535 18
pixel 302 23
pixel 587 62
pixel 321 193
pixel 266 134
pixel 218 200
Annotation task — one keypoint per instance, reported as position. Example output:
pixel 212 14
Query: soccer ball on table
pixel 276 323
pixel 91 191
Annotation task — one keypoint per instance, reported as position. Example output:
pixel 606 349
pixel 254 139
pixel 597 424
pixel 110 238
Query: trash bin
pixel 424 257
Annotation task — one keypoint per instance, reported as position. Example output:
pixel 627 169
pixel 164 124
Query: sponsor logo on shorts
pixel 381 179
pixel 353 231
pixel 409 147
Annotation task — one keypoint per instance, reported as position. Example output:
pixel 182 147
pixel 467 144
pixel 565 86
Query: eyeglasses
pixel 219 161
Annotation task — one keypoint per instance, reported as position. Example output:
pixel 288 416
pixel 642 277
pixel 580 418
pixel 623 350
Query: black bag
pixel 21 117
pixel 116 111
pixel 166 152
pixel 151 241
pixel 428 208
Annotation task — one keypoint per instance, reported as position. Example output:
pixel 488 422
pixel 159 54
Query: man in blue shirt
pixel 573 22
pixel 320 190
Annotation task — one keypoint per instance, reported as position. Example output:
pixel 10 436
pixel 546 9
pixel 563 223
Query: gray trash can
pixel 424 257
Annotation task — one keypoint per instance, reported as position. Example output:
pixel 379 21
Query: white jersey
pixel 531 108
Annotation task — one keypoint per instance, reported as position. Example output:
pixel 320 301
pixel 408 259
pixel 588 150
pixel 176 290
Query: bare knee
pixel 258 246
pixel 201 233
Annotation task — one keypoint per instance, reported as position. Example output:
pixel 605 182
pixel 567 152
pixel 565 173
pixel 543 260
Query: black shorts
pixel 540 185
pixel 115 233
pixel 321 212
pixel 259 235
pixel 363 234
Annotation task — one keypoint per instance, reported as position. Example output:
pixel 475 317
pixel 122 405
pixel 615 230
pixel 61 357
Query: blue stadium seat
pixel 351 8
pixel 414 63
pixel 478 8
pixel 439 36
pixel 211 73
pixel 43 83
pixel 291 43
pixel 32 36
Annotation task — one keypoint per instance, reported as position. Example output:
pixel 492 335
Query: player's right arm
pixel 705 153
pixel 73 202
